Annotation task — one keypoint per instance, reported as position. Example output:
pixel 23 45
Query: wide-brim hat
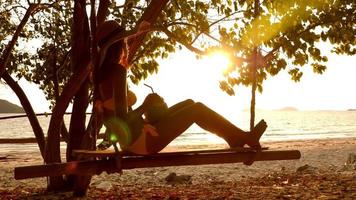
pixel 106 29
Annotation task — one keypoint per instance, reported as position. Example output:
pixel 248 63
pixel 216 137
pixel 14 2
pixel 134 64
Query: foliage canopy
pixel 287 34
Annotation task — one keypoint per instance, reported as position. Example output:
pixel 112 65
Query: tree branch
pixel 36 127
pixel 33 8
pixel 188 46
pixel 103 11
pixel 225 17
pixel 150 15
pixel 5 58
pixel 197 50
pixel 310 27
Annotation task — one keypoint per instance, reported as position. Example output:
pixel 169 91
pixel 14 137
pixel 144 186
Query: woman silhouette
pixel 153 125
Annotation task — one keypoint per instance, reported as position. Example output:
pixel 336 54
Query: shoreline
pixel 322 157
pixel 305 144
pixel 31 142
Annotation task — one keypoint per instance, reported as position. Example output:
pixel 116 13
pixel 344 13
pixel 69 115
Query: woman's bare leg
pixel 177 122
pixel 176 107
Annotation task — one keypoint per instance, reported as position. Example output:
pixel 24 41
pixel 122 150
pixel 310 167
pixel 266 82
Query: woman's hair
pixel 113 53
pixel 131 98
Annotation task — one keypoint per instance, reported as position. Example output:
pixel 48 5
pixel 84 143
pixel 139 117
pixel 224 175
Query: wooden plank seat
pixel 110 162
pixel 111 152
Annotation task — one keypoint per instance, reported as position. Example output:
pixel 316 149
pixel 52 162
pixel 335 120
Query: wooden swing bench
pixel 111 162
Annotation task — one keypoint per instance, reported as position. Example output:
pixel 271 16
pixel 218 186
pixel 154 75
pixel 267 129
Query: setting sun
pixel 218 62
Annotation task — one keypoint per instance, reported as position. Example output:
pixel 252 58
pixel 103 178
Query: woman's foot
pixel 250 138
pixel 104 145
pixel 253 140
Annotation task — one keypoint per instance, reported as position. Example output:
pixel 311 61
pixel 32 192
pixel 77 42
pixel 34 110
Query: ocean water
pixel 282 126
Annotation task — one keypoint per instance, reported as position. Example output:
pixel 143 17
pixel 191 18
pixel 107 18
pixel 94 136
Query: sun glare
pixel 218 61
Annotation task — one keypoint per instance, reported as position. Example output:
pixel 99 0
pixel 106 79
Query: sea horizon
pixel 282 126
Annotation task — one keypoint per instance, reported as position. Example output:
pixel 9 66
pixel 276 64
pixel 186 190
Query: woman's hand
pixel 149 129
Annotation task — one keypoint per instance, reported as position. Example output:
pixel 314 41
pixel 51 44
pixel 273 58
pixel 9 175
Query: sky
pixel 182 76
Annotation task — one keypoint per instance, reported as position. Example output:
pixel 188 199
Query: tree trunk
pixel 37 130
pixel 79 59
pixel 81 183
pixel 63 130
pixel 80 51
pixel 254 67
pixel 52 145
pixel 77 122
pixel 253 92
pixel 76 135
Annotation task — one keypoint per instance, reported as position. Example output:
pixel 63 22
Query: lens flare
pixel 119 131
pixel 282 15
pixel 113 137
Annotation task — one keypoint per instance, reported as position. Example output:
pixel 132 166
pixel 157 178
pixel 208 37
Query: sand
pixel 323 160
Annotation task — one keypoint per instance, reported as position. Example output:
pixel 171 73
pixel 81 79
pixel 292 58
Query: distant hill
pixel 7 107
pixel 351 109
pixel 287 109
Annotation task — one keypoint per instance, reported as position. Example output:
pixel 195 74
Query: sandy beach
pixel 321 173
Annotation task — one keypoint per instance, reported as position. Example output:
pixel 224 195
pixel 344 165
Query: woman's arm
pixel 140 110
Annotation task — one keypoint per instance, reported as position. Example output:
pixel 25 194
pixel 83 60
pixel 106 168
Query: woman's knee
pixel 200 106
pixel 197 110
pixel 189 101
